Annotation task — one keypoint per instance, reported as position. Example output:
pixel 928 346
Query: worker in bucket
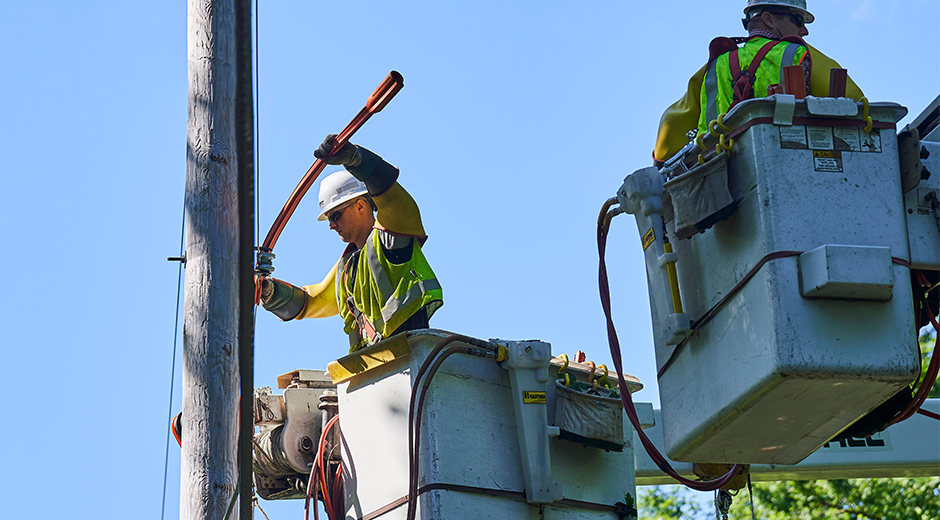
pixel 382 284
pixel 776 29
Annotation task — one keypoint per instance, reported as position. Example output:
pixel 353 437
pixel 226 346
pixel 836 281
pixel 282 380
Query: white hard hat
pixel 795 5
pixel 336 189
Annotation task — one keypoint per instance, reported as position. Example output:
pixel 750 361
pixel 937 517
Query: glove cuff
pixel 377 174
pixel 287 302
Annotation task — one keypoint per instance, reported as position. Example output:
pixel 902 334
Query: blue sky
pixel 517 121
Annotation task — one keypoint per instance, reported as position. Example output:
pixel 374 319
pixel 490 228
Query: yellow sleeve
pixel 321 297
pixel 819 76
pixel 678 119
pixel 398 213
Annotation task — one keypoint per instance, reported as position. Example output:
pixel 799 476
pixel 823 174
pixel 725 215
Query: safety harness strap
pixel 364 327
pixel 743 84
pixel 366 330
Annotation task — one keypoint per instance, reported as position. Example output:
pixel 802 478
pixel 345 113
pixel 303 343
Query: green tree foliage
pixel 668 502
pixel 856 499
pixel 927 341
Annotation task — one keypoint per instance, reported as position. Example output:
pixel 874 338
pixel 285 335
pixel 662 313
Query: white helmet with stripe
pixel 795 5
pixel 337 189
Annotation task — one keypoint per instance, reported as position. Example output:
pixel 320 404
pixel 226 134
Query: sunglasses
pixel 336 215
pixel 795 18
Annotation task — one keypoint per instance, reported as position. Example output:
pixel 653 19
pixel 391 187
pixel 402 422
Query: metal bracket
pixel 784 106
pixel 528 374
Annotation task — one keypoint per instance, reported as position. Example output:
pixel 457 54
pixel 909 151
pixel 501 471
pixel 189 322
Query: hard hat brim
pixel 343 184
pixel 337 203
pixel 807 16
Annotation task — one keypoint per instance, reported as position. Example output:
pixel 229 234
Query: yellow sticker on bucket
pixel 533 397
pixel 648 238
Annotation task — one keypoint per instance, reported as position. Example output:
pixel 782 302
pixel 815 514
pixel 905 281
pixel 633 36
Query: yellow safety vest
pixel 716 95
pixel 369 287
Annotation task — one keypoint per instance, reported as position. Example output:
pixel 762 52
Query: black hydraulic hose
pixel 427 363
pixel 429 368
pixel 415 426
pixel 933 368
pixel 412 467
pixel 603 224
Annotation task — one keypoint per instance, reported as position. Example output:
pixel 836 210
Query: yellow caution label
pixel 533 397
pixel 827 161
pixel 648 238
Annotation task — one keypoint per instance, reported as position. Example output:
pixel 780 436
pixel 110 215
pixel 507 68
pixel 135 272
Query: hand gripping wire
pixel 393 83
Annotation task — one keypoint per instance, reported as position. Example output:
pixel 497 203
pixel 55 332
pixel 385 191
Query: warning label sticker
pixel 825 161
pixel 871 142
pixel 533 397
pixel 846 139
pixel 648 238
pixel 793 137
pixel 820 137
pixel 836 138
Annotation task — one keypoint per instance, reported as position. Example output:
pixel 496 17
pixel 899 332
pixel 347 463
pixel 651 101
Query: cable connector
pixel 264 264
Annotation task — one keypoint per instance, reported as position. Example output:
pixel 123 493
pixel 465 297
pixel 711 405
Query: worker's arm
pixel 819 77
pixel 321 297
pixel 289 302
pixel 678 119
pixel 397 211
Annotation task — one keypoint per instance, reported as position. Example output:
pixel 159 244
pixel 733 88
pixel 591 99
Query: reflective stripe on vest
pixel 711 91
pixel 361 331
pixel 788 54
pixel 387 291
pixel 375 265
pixel 414 293
pixel 716 94
pixel 372 293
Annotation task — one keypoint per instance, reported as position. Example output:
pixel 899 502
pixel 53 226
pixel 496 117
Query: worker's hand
pixel 282 298
pixel 348 155
pixel 267 289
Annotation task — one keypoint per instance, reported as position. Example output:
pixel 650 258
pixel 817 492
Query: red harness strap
pixel 743 83
pixel 366 329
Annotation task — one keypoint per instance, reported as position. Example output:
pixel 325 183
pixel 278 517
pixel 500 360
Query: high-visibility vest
pixel 375 296
pixel 716 97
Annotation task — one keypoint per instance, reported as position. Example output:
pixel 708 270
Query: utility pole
pixel 209 471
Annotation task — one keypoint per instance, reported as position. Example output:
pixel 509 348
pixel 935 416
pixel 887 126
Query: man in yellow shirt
pixel 764 20
pixel 382 284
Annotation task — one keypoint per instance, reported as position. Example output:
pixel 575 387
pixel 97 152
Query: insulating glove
pixel 348 155
pixel 283 299
pixel 360 162
pixel 267 290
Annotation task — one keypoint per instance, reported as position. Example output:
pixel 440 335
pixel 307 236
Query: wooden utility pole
pixel 210 380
